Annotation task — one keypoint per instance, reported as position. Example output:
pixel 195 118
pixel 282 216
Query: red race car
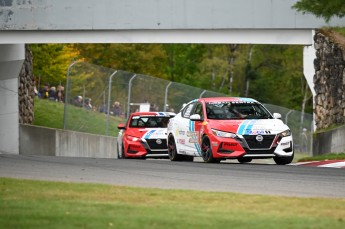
pixel 144 135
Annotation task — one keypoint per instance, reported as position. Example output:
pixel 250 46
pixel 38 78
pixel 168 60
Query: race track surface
pixel 252 178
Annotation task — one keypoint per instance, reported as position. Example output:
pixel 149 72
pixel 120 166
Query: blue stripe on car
pixel 245 126
pixel 249 126
pixel 192 129
pixel 148 134
pixel 242 126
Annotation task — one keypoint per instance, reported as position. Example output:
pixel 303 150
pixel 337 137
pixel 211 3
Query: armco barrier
pixel 36 140
pixel 331 141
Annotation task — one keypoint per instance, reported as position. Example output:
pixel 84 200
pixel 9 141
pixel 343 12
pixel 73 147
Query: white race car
pixel 228 128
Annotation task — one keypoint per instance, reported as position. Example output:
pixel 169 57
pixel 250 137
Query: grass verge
pixel 41 204
pixel 51 114
pixel 330 156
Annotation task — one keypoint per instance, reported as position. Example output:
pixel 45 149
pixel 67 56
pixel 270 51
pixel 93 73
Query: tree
pixel 322 8
pixel 183 60
pixel 147 59
pixel 50 62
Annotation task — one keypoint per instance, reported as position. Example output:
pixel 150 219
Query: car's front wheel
pixel 122 155
pixel 172 150
pixel 206 151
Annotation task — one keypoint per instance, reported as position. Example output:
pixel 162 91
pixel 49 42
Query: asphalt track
pixel 252 178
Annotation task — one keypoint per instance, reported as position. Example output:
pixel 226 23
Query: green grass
pixel 51 114
pixel 40 204
pixel 330 156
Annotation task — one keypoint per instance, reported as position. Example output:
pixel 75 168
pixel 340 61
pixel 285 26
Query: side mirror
pixel 195 117
pixel 121 127
pixel 277 116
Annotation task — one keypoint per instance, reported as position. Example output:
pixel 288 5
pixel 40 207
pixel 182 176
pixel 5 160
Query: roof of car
pixel 229 99
pixel 151 113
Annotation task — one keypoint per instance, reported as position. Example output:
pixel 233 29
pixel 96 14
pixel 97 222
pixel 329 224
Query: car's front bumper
pixel 248 146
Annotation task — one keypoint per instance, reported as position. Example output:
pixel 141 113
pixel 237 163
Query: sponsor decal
pixel 191 140
pixel 176 132
pixel 230 144
pixel 285 144
pixel 181 132
pixel 181 141
pixel 214 144
pixel 247 127
pixel 254 132
pixel 193 136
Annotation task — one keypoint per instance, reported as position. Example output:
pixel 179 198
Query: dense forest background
pixel 269 73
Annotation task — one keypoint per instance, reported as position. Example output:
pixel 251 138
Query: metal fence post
pixel 66 95
pixel 202 93
pixel 166 96
pixel 287 115
pixel 108 109
pixel 129 94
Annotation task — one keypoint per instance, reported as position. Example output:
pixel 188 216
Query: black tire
pixel 283 160
pixel 244 160
pixel 123 152
pixel 119 155
pixel 172 151
pixel 206 151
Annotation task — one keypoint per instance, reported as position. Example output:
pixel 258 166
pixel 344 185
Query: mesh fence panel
pixel 128 91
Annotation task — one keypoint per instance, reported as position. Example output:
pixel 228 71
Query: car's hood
pixel 250 126
pixel 148 133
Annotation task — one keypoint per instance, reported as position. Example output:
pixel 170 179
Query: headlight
pixel 223 134
pixel 285 133
pixel 131 138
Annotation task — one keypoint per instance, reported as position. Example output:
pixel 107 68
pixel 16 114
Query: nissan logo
pixel 259 138
pixel 158 141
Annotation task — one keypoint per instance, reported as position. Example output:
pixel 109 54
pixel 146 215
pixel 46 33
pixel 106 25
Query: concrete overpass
pixel 138 21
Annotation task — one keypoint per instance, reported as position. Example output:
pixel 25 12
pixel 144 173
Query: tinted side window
pixel 186 112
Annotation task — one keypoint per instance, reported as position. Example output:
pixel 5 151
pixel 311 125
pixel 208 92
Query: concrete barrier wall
pixel 35 140
pixel 332 141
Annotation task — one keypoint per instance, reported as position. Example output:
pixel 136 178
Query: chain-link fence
pixel 99 98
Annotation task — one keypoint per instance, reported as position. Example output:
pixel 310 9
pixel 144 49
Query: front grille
pixel 258 152
pixel 154 146
pixel 255 144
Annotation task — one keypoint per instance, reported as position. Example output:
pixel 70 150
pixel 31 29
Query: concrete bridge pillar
pixel 11 60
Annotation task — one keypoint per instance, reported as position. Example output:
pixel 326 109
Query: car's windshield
pixel 236 110
pixel 149 121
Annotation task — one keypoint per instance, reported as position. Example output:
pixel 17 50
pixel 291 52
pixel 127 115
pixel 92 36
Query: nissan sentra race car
pixel 228 128
pixel 144 135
